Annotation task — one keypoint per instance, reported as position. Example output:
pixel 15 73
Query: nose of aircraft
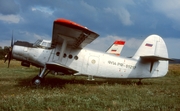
pixel 19 52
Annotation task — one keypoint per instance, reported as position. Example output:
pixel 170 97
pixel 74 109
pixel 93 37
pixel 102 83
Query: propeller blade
pixel 12 42
pixel 9 56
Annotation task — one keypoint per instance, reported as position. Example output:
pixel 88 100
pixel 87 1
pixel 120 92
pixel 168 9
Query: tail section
pixel 153 56
pixel 116 47
pixel 153 45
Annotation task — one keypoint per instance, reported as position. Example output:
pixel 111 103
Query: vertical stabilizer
pixel 116 47
pixel 153 45
pixel 153 56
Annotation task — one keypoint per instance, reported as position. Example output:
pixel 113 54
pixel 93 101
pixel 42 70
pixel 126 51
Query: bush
pixel 3 52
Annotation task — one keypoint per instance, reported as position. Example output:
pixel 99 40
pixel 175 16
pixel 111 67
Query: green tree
pixel 3 52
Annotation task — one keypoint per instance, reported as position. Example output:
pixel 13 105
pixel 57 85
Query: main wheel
pixel 37 81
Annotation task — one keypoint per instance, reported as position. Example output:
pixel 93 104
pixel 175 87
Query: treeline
pixel 175 61
pixel 3 51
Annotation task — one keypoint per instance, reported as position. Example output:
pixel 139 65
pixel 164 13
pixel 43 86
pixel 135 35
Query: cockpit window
pixel 37 43
pixel 42 44
pixel 48 44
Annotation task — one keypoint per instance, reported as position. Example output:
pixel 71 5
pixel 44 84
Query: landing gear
pixel 139 82
pixel 90 77
pixel 38 80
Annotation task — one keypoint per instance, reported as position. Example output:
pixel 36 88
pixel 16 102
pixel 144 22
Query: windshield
pixel 37 43
pixel 42 44
pixel 46 44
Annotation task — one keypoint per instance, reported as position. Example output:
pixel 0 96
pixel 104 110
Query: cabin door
pixel 92 65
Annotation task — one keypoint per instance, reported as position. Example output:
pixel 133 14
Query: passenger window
pixel 70 56
pixel 57 53
pixel 76 57
pixel 64 55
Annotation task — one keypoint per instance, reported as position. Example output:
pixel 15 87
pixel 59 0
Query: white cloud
pixel 103 43
pixel 88 7
pixel 32 37
pixel 173 45
pixel 124 16
pixel 27 36
pixel 132 17
pixel 10 18
pixel 42 9
pixel 122 13
pixel 133 43
pixel 131 46
pixel 5 43
pixel 171 8
pixel 36 36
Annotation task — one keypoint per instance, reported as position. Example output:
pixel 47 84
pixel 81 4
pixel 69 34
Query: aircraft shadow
pixel 51 81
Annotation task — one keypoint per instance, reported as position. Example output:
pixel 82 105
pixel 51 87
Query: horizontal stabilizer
pixel 60 68
pixel 155 58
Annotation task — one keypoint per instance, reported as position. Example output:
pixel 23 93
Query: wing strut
pixel 64 44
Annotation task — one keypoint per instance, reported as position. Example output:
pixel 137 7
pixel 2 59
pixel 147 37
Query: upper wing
pixel 77 36
pixel 116 47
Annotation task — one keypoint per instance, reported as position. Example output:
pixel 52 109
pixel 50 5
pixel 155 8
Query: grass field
pixel 69 93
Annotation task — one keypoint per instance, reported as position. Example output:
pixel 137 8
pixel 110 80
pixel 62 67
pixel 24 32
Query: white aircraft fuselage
pixel 89 62
pixel 66 54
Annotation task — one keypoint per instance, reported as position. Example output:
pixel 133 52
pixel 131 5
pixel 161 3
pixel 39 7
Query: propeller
pixel 8 56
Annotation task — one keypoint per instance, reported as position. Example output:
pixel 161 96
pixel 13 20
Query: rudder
pixel 153 52
pixel 153 45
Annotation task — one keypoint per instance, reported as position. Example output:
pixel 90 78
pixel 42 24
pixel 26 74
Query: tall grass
pixel 69 93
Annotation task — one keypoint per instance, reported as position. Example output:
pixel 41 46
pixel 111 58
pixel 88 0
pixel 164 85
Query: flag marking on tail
pixel 113 50
pixel 148 45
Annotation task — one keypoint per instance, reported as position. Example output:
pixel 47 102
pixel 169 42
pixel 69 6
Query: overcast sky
pixel 129 20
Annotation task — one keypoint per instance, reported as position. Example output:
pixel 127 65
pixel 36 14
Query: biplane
pixel 66 53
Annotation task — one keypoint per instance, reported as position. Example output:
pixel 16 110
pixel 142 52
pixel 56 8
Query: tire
pixel 37 81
